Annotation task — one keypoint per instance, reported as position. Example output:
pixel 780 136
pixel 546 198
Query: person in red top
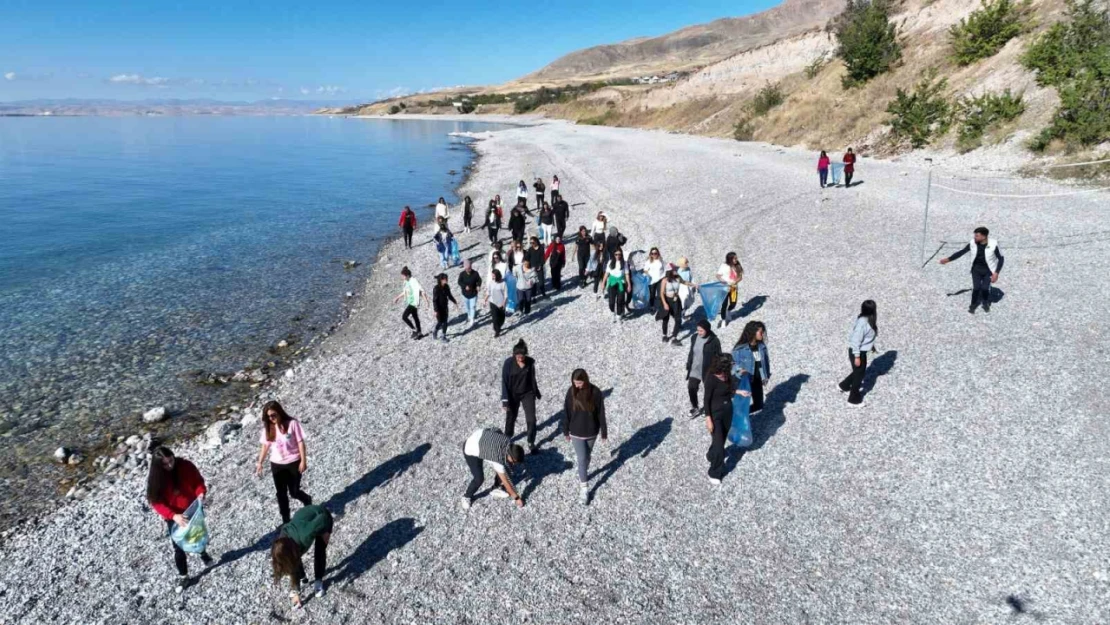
pixel 849 167
pixel 407 224
pixel 171 487
pixel 556 258
pixel 823 168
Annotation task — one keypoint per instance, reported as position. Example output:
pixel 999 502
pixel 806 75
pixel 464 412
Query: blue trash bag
pixel 454 253
pixel 510 285
pixel 834 173
pixel 712 297
pixel 193 538
pixel 740 432
pixel 641 285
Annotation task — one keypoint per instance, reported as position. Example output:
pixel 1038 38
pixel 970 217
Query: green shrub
pixel 768 98
pixel 987 29
pixel 1074 57
pixel 393 110
pixel 605 119
pixel 923 114
pixel 977 114
pixel 868 41
pixel 466 108
pixel 815 66
pixel 743 130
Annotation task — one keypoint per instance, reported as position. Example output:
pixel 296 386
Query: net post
pixel 925 225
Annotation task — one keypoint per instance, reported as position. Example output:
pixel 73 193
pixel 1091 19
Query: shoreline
pixel 872 494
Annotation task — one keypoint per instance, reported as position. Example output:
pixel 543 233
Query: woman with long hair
pixel 598 261
pixel 441 212
pixel 516 256
pixel 556 256
pixel 522 195
pixel 655 270
pixel 750 359
pixel 468 213
pixel 849 167
pixel 617 281
pixel 517 224
pixel 860 341
pixel 310 527
pixel 583 420
pixel 823 168
pixel 547 222
pixel 582 253
pixel 730 274
pixel 541 189
pixel 407 224
pixel 172 485
pixel 525 285
pixel 600 228
pixel 497 295
pixel 536 257
pixel 555 189
pixel 670 304
pixel 720 387
pixel 283 439
pixel 493 221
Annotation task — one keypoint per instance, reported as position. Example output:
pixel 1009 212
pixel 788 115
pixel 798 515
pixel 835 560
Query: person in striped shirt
pixel 492 447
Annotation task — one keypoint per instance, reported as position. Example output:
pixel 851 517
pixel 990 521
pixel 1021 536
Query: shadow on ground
pixel 393 535
pixel 642 443
pixel 766 423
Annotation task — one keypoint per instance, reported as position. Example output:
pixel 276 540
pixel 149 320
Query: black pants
pixel 560 227
pixel 529 403
pixel 441 325
pixel 539 201
pixel 728 305
pixel 179 560
pixel 524 301
pixel 597 279
pixel 582 264
pixel 554 196
pixel 616 300
pixel 467 218
pixel 847 179
pixel 692 386
pixel 556 278
pixel 492 235
pixel 854 380
pixel 716 454
pixel 518 235
pixel 757 389
pixel 287 481
pixel 980 289
pixel 411 318
pixel 653 294
pixel 408 237
pixel 674 311
pixel 319 558
pixel 498 315
pixel 541 281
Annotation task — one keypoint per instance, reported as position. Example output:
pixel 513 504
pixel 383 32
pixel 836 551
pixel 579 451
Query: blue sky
pixel 341 50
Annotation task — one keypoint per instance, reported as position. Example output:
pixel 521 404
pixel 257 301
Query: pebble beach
pixel 972 487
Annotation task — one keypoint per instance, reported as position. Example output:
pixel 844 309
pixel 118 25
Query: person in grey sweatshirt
pixel 861 341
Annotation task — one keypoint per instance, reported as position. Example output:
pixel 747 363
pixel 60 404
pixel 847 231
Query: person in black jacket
pixel 582 248
pixel 469 283
pixel 556 256
pixel 441 294
pixel 703 349
pixel 517 224
pixel 583 420
pixel 720 387
pixel 535 255
pixel 613 242
pixel 562 213
pixel 493 221
pixel 519 388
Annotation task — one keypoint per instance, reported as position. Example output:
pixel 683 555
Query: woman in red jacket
pixel 849 167
pixel 823 168
pixel 407 224
pixel 171 487
pixel 556 257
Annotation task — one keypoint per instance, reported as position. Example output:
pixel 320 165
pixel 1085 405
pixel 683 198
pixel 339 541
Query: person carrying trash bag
pixel 172 486
pixel 750 358
pixel 443 240
pixel 311 527
pixel 730 274
pixel 721 388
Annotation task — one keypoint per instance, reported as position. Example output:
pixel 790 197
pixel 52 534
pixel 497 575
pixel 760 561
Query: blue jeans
pixel 824 173
pixel 471 307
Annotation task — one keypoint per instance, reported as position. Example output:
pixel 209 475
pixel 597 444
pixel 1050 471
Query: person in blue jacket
pixel 443 240
pixel 749 358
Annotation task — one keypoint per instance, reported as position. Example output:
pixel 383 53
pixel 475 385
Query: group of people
pixel 716 379
pixel 824 164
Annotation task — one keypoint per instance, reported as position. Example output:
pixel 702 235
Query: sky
pixel 341 50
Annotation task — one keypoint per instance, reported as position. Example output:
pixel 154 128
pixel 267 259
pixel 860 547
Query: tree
pixel 868 40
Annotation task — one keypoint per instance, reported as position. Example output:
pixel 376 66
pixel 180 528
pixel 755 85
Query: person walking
pixel 583 421
pixel 497 295
pixel 470 282
pixel 598 262
pixel 600 228
pixel 703 350
pixel 489 446
pixel 555 196
pixel 468 213
pixel 516 256
pixel 617 280
pixel 496 262
pixel 522 195
pixel 984 268
pixel 686 278
pixel 613 242
pixel 517 224
pixel 860 341
pixel 172 485
pixel 283 440
pixel 311 527
pixel 720 388
pixel 655 270
pixel 411 292
pixel 441 295
pixel 823 168
pixel 541 191
pixel 670 304
pixel 750 359
pixel 407 223
pixel 493 221
pixel 582 245
pixel 556 256
pixel 443 240
pixel 547 223
pixel 731 273
pixel 849 168
pixel 525 286
pixel 562 213
pixel 520 389
pixel 535 257
pixel 441 212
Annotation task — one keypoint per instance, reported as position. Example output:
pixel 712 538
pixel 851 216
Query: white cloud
pixel 330 89
pixel 139 79
pixel 9 76
pixel 305 91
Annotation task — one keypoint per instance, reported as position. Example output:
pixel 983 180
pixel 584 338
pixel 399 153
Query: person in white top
pixel 554 189
pixel 441 211
pixel 730 274
pixel 600 228
pixel 522 194
pixel 617 282
pixel 655 268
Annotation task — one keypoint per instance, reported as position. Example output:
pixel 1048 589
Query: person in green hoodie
pixel 310 527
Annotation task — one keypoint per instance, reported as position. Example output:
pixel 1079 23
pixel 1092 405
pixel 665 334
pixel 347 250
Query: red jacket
pixel 849 163
pixel 407 216
pixel 554 247
pixel 181 492
pixel 822 163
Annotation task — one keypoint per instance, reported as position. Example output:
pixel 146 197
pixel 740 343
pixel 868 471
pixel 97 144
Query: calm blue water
pixel 134 251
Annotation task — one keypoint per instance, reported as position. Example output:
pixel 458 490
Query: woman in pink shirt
pixel 823 168
pixel 283 439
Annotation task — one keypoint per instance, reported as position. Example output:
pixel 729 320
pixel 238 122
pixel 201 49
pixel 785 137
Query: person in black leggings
pixel 311 527
pixel 671 304
pixel 411 292
pixel 582 253
pixel 599 271
pixel 519 388
pixel 407 224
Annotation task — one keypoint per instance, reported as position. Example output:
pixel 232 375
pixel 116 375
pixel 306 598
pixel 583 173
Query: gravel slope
pixel 971 489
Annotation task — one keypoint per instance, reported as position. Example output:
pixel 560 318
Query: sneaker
pixel 665 339
pixel 971 309
pixel 499 494
pixel 841 388
pixel 206 559
pixel 584 495
pixel 720 322
pixel 465 503
pixel 986 308
pixel 318 587
pixel 183 582
pixel 414 333
pixel 714 481
pixel 695 411
pixel 675 341
pixel 856 405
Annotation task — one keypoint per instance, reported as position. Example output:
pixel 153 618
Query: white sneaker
pixel 714 481
pixel 499 494
pixel 318 587
pixel 465 503
pixel 584 495
pixel 183 582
